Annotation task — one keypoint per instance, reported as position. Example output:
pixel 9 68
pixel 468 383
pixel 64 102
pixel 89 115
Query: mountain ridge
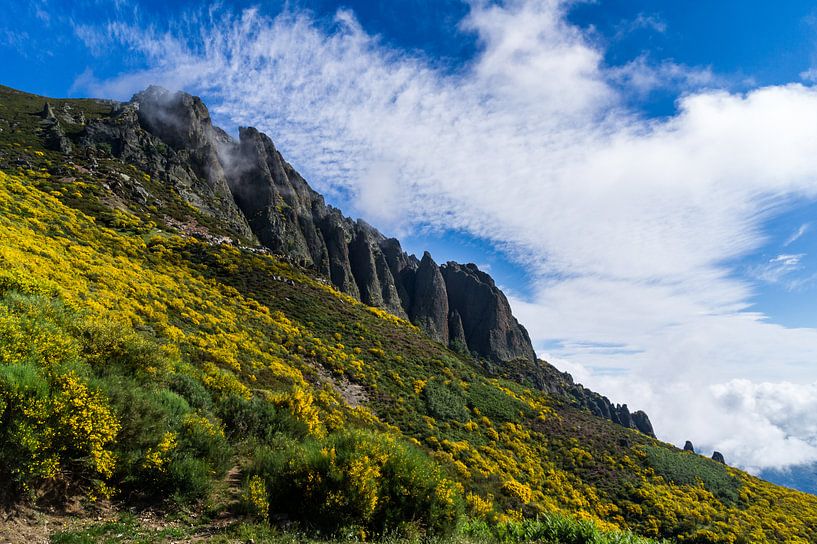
pixel 248 185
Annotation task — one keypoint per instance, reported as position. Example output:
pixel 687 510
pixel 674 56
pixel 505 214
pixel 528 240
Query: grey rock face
pixel 274 198
pixel 688 446
pixel 170 136
pixel 490 329
pixel 53 134
pixel 430 300
pixel 718 457
pixel 456 334
pixel 642 423
pixel 403 269
pixel 337 236
pixel 622 414
pixel 182 122
pixel 362 257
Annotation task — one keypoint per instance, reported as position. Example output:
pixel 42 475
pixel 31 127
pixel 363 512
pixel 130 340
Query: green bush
pixel 357 478
pixel 188 479
pixel 204 439
pixel 494 403
pixel 193 392
pixel 255 418
pixel 444 402
pixel 548 529
pixel 687 468
pixel 165 449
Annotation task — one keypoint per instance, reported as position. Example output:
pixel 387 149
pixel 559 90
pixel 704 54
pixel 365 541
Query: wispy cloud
pixel 14 39
pixel 777 268
pixel 643 21
pixel 625 222
pixel 809 75
pixel 797 234
pixel 642 76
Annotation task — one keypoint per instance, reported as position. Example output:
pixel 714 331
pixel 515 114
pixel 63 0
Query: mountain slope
pixel 141 357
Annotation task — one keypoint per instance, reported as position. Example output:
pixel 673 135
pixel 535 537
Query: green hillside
pixel 142 367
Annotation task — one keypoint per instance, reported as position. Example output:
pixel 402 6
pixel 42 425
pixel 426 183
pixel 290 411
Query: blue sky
pixel 641 177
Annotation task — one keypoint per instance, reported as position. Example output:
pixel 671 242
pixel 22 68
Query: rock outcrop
pixel 429 308
pixel 490 328
pixel 689 447
pixel 642 422
pixel 170 136
pixel 53 133
pixel 718 457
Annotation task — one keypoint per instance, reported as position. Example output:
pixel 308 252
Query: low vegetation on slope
pixel 149 367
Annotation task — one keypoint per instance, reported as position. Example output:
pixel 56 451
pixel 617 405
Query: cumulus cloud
pixel 627 224
pixel 758 426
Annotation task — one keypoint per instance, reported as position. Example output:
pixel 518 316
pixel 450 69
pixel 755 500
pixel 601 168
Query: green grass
pixel 126 529
pixel 544 530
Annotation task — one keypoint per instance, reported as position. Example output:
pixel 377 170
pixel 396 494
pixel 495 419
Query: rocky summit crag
pixel 244 191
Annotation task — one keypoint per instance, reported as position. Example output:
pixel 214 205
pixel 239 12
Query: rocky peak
pixel 429 309
pixel 403 269
pixel 688 446
pixel 642 422
pixel 371 270
pixel 180 120
pixel 490 328
pixel 169 136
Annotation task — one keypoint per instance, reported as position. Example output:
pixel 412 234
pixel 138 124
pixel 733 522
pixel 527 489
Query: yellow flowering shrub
pixel 359 478
pixel 84 423
pixel 478 506
pixel 256 498
pixel 53 430
pixel 158 457
pixel 519 490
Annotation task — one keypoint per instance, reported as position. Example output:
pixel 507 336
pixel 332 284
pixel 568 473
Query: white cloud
pixel 778 268
pixel 643 77
pixel 809 75
pixel 642 21
pixel 756 425
pixel 797 234
pixel 627 223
